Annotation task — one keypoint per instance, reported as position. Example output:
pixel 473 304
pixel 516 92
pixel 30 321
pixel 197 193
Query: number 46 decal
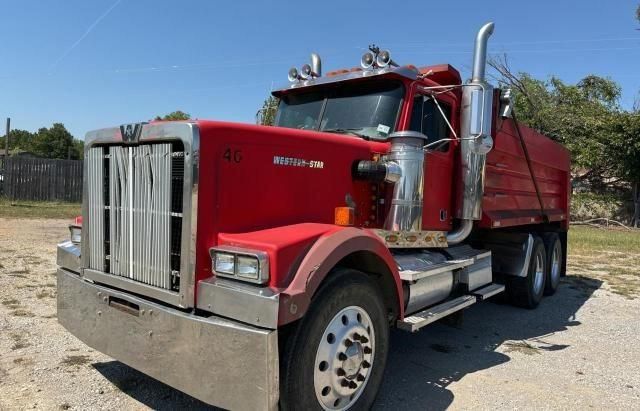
pixel 234 156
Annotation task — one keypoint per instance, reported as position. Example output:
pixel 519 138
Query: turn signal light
pixel 344 216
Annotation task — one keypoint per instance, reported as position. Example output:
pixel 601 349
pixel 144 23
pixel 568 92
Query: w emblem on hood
pixel 131 132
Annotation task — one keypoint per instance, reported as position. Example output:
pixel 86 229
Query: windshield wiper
pixel 347 131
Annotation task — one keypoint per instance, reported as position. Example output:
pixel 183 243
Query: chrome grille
pixel 131 212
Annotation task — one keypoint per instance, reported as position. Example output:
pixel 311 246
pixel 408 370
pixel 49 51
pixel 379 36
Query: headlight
pixel 240 263
pixel 248 267
pixel 224 263
pixel 75 232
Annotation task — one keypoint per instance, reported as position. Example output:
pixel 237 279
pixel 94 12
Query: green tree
pixel 266 116
pixel 174 116
pixel 19 140
pixel 604 139
pixel 56 142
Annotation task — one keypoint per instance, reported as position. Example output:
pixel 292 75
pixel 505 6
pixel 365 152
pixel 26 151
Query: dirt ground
pixel 580 349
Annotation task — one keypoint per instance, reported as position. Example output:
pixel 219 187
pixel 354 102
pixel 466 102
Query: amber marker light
pixel 344 216
pixel 391 238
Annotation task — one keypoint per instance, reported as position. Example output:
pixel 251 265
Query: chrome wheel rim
pixel 344 359
pixel 555 263
pixel 538 279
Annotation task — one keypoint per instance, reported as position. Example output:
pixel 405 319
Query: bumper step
pixel 488 291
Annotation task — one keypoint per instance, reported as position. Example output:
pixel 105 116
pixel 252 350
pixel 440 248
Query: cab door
pixel 427 117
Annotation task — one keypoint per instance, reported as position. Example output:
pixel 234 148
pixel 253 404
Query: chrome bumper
pixel 218 361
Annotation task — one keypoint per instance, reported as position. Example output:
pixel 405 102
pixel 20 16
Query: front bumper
pixel 218 361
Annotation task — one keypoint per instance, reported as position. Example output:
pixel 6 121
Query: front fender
pixel 328 250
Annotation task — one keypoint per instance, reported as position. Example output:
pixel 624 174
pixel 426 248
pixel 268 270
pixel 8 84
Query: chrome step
pixel 420 319
pixel 488 291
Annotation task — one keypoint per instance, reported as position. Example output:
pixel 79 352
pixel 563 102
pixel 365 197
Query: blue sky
pixel 97 63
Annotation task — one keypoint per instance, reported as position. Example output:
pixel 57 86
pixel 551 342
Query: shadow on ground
pixel 421 365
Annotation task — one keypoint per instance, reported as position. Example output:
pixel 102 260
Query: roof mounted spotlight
pixel 293 75
pixel 383 59
pixel 306 72
pixel 376 58
pixel 367 60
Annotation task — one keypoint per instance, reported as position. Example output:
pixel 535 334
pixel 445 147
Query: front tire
pixel 335 357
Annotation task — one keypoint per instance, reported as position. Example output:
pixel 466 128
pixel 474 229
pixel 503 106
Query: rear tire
pixel 336 355
pixel 528 291
pixel 555 262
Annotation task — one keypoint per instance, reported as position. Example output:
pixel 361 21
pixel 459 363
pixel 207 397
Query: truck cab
pixel 257 267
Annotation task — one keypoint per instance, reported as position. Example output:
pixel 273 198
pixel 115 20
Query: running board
pixel 425 317
pixel 418 320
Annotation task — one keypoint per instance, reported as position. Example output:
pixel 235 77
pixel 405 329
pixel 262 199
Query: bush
pixel 585 206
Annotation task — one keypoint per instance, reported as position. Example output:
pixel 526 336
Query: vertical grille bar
pixel 114 212
pixel 96 208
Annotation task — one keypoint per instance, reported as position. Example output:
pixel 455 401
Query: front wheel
pixel 335 358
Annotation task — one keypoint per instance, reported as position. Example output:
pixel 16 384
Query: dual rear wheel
pixel 543 272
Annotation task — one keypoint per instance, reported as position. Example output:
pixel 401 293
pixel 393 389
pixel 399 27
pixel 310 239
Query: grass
pixel 522 347
pixel 23 361
pixel 38 209
pixel 22 313
pixel 71 360
pixel 611 255
pixel 12 303
pixel 45 294
pixel 18 341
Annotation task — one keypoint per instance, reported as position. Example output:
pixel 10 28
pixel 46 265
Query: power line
pixel 524 50
pixel 516 43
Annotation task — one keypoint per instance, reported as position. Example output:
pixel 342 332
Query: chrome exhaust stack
pixel 476 141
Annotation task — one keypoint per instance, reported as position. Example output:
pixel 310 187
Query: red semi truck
pixel 256 267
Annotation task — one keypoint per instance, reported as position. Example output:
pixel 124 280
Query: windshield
pixel 363 109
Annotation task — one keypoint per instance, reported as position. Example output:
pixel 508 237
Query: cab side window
pixel 427 119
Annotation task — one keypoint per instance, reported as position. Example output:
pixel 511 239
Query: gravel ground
pixel 578 350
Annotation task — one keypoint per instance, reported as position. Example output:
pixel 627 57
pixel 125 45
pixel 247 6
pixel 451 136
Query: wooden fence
pixel 41 179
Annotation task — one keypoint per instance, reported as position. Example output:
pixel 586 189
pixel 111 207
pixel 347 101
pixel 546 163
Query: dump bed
pixel 510 197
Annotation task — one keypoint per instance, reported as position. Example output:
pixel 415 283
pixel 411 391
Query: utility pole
pixel 6 138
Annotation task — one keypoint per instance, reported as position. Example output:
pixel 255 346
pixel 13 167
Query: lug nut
pixel 367 350
pixel 356 336
pixel 364 340
pixel 341 372
pixel 344 383
pixel 342 356
pixel 360 377
pixel 353 385
pixel 348 343
pixel 365 364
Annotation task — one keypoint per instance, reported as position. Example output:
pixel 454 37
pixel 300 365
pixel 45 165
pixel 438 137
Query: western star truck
pixel 257 267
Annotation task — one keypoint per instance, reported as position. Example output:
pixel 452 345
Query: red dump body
pixel 510 196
